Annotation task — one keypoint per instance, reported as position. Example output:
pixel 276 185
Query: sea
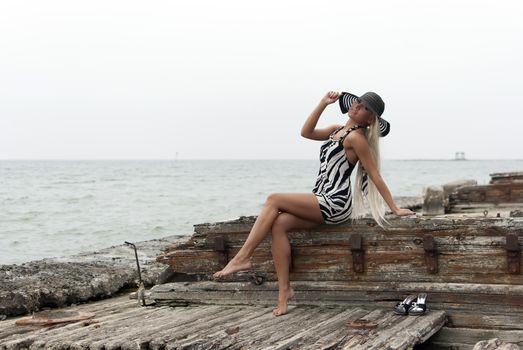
pixel 54 208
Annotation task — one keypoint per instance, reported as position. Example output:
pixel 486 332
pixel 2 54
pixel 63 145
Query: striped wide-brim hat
pixel 372 101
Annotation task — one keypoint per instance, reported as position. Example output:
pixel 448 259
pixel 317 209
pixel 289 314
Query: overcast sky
pixel 237 79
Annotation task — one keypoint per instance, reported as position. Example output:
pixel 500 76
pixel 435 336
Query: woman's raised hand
pixel 331 97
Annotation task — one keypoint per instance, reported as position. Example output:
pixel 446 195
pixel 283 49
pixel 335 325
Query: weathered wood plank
pixel 170 337
pixel 263 331
pixel 469 250
pixel 250 326
pixel 487 289
pixel 407 332
pixel 384 318
pixel 502 192
pixel 60 331
pixel 385 337
pixel 205 233
pixel 79 333
pixel 315 332
pixel 195 327
pixel 117 336
pixel 452 239
pixel 463 302
pixel 359 337
pixel 296 327
pixel 492 294
pixel 217 337
pixel 400 242
pixel 488 264
pixel 79 336
pixel 143 339
pixel 467 337
pixel 506 177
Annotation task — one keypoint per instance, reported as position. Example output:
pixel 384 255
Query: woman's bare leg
pixel 281 254
pixel 302 205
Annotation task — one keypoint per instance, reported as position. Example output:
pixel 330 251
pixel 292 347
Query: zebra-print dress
pixel 333 186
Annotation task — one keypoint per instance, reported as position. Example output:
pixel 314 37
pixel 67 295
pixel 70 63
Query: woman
pixel 331 201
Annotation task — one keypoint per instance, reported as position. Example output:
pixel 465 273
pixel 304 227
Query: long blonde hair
pixel 363 185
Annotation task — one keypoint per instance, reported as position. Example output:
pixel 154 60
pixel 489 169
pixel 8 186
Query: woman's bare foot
pixel 283 297
pixel 236 264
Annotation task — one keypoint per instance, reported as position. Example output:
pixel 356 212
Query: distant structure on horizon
pixel 459 156
pixel 174 162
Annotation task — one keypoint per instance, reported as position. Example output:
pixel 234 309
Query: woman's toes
pixel 232 267
pixel 279 311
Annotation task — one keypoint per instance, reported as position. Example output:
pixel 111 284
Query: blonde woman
pixel 331 199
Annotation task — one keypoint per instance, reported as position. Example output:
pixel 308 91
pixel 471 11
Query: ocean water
pixel 58 208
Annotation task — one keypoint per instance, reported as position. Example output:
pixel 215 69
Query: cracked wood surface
pixel 121 324
pixel 472 283
pixel 468 250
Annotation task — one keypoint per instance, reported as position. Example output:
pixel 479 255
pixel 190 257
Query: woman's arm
pixel 309 128
pixel 361 147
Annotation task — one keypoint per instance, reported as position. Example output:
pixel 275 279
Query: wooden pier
pixel 468 264
pixel 119 323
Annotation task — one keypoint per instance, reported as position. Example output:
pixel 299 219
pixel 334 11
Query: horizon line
pixel 237 159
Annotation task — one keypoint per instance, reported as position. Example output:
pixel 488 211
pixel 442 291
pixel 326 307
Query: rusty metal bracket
pixel 257 279
pixel 513 254
pixel 219 246
pixel 137 261
pixel 356 248
pixel 431 253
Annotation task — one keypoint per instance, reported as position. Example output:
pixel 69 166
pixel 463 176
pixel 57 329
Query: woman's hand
pixel 404 212
pixel 330 97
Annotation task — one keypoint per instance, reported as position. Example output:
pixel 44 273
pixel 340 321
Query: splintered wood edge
pixel 45 320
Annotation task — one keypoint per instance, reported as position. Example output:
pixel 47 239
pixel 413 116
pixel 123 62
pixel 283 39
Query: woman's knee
pixel 280 224
pixel 272 199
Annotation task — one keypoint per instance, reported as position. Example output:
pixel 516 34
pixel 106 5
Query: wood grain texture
pixel 122 324
pixel 472 282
